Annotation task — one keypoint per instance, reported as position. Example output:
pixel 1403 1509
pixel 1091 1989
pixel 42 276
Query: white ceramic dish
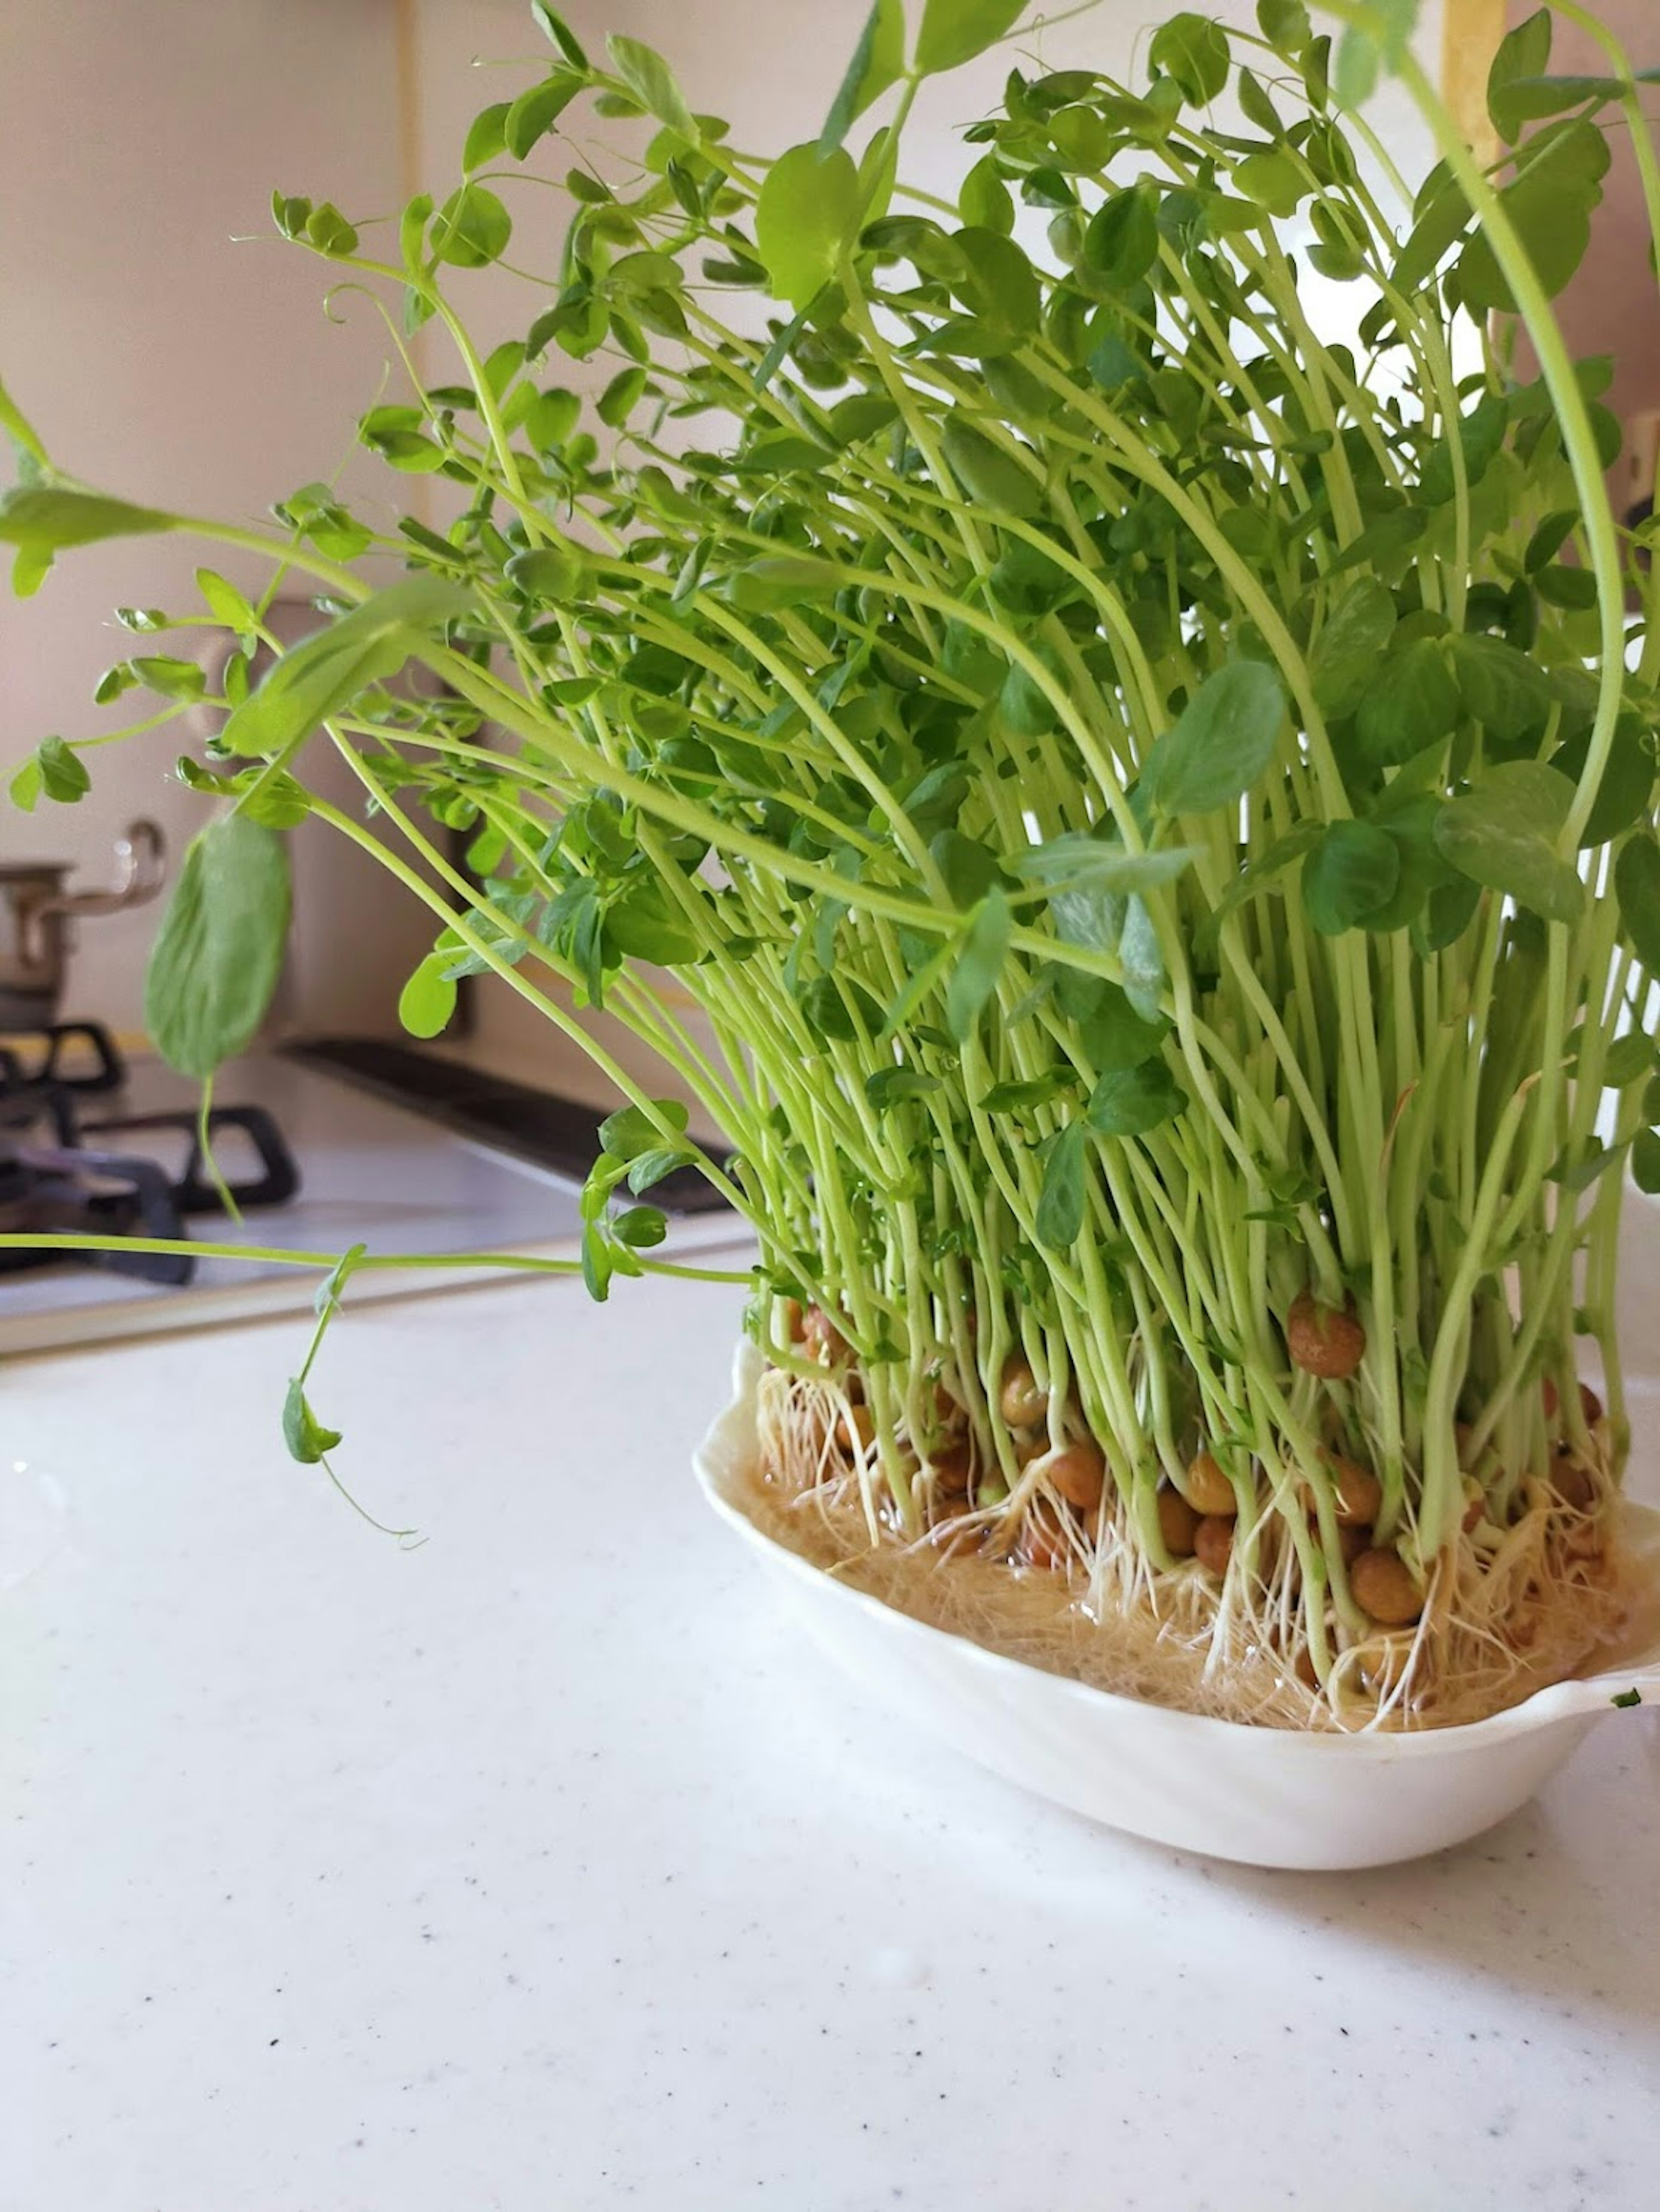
pixel 1267 1796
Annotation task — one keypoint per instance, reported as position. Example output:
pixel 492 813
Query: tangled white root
pixel 1507 1611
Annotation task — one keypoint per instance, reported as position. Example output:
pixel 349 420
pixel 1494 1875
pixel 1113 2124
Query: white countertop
pixel 541 1868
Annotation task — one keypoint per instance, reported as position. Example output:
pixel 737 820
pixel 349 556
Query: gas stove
pixel 70 1162
pixel 317 1157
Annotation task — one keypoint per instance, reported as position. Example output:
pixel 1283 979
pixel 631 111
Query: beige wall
pixel 1612 305
pixel 156 355
pixel 161 358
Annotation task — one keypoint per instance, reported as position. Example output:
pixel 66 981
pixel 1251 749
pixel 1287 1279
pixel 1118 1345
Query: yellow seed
pixel 1177 1523
pixel 1212 1543
pixel 1322 1341
pixel 1208 1490
pixel 856 1430
pixel 1079 1474
pixel 1024 1405
pixel 1383 1587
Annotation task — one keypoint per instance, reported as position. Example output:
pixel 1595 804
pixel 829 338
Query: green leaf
pixel 428 1000
pixel 1037 1090
pixel 24 788
pixel 805 220
pixel 1451 909
pixel 1060 1217
pixel 1275 181
pixel 984 201
pixel 651 81
pixel 1628 1057
pixel 321 674
pixel 1481 434
pixel 991 477
pixel 1549 537
pixel 954 31
pixel 621 397
pixel 1344 662
pixel 43 519
pixel 1194 51
pixel 471 228
pixel 1358 59
pixel 166 672
pixel 1645 1168
pixel 1121 242
pixel 825 1012
pixel 639 1227
pixel 218 953
pixel 1140 959
pixel 1285 24
pixel 878 60
pixel 783 579
pixel 328 231
pixel 1222 742
pixel 534 114
pixel 630 1131
pixel 889 1086
pixel 486 135
pixel 1133 1100
pixel 223 601
pixel 1411 704
pixel 970 868
pixel 560 33
pixel 1081 861
pixel 1351 872
pixel 1114 1035
pixel 1503 835
pixel 63 773
pixel 979 965
pixel 1624 795
pixel 1550 204
pixel 648 1169
pixel 1636 887
pixel 1504 690
pixel 303 1433
pixel 1525 52
pixel 553 575
pixel 18 429
pixel 998 283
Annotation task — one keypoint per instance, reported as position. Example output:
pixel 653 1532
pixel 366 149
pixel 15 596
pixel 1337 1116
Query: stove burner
pixel 51 1188
pixel 58 1042
pixel 72 1186
pixel 195 1191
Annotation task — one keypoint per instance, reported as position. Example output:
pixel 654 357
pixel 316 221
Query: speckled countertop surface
pixel 542 1869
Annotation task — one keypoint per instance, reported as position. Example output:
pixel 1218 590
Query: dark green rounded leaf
pixel 1351 873
pixel 1060 1201
pixel 1623 794
pixel 1503 835
pixel 1412 703
pixel 1121 242
pixel 1133 1100
pixel 991 477
pixel 1637 886
pixel 1344 662
pixel 1194 51
pixel 1222 742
